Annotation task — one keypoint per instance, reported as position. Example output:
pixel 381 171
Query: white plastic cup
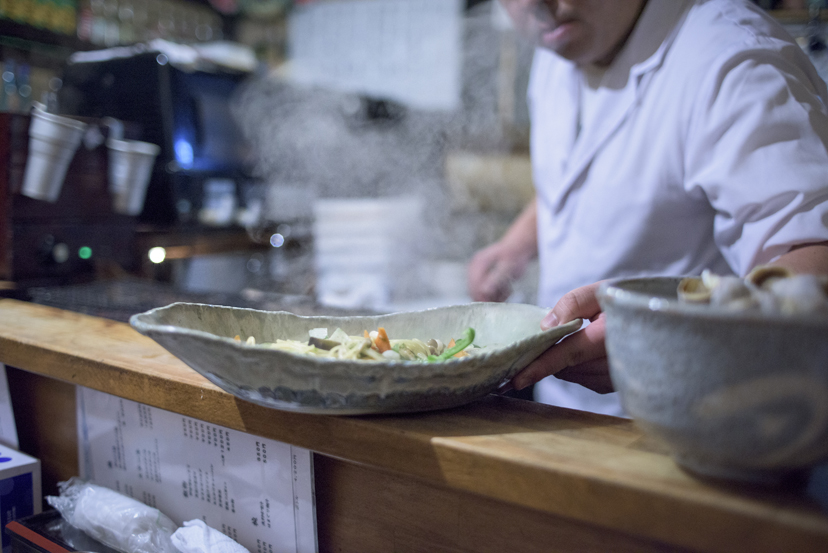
pixel 130 169
pixel 53 141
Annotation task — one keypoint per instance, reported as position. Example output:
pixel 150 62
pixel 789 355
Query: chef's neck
pixel 607 59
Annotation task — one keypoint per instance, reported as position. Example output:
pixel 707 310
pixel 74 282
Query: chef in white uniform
pixel 668 137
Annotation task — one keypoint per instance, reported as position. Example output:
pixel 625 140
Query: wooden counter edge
pixel 454 448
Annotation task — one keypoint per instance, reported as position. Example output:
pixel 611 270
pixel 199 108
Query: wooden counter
pixel 498 475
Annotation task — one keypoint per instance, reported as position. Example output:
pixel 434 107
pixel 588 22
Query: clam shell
pixel 693 290
pixel 764 275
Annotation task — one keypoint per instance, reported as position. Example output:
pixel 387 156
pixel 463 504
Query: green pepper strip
pixel 459 345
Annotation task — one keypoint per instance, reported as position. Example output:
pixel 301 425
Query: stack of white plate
pixel 365 249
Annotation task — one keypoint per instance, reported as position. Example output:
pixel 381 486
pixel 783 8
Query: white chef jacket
pixel 708 150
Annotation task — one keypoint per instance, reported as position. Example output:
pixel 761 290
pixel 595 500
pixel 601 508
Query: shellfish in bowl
pixel 736 387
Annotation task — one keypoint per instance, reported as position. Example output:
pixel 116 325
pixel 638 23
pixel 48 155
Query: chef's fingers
pixel 504 388
pixel 581 347
pixel 580 303
pixel 498 283
pixel 593 374
pixel 489 277
pixel 476 272
pixel 491 288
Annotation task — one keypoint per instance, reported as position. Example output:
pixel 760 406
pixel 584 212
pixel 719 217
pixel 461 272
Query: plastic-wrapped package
pixel 114 519
pixel 196 537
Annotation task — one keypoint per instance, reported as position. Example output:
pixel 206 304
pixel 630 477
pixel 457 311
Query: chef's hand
pixel 492 271
pixel 580 357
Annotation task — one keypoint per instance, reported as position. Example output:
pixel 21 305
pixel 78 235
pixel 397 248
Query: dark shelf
pixel 39 47
pixel 40 38
pixel 796 16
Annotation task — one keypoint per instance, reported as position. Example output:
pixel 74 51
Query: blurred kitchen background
pixel 316 154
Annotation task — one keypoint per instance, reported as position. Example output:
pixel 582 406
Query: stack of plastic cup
pixel 130 168
pixel 53 141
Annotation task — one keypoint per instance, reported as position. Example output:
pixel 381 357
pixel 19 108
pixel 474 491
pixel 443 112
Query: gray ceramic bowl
pixel 202 337
pixel 735 395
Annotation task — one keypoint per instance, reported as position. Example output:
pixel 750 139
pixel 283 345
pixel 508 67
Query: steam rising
pixel 327 141
pixel 327 144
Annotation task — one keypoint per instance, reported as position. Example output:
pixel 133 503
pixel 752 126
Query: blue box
pixel 20 489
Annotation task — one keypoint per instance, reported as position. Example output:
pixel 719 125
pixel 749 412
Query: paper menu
pixel 8 428
pixel 257 491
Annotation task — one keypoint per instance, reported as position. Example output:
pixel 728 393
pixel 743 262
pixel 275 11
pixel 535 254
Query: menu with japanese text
pixel 257 491
pixel 8 428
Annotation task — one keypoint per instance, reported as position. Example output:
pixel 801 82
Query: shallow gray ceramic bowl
pixel 734 395
pixel 202 337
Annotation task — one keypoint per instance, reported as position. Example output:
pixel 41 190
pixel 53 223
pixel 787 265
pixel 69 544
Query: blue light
pixel 183 152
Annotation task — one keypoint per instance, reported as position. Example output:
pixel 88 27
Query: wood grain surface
pixel 547 461
pixel 359 509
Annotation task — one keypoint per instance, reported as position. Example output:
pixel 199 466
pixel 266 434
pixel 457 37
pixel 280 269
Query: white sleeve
pixel 757 146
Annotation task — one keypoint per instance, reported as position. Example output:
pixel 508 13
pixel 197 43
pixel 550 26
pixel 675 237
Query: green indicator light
pixel 85 252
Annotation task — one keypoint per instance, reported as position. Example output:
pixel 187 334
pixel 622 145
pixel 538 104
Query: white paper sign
pixel 257 491
pixel 8 429
pixel 403 50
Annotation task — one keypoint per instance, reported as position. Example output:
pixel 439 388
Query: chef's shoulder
pixel 733 21
pixel 732 43
pixel 718 33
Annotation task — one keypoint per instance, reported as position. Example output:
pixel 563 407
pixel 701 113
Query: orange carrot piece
pixel 382 342
pixel 459 353
pixel 237 338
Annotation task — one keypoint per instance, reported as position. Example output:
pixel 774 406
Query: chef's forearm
pixel 809 259
pixel 522 235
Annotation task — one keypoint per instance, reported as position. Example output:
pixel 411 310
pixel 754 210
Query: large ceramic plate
pixel 202 337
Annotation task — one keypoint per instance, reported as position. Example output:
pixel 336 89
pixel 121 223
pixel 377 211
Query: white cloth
pixel 196 537
pixel 708 150
pixel 590 96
